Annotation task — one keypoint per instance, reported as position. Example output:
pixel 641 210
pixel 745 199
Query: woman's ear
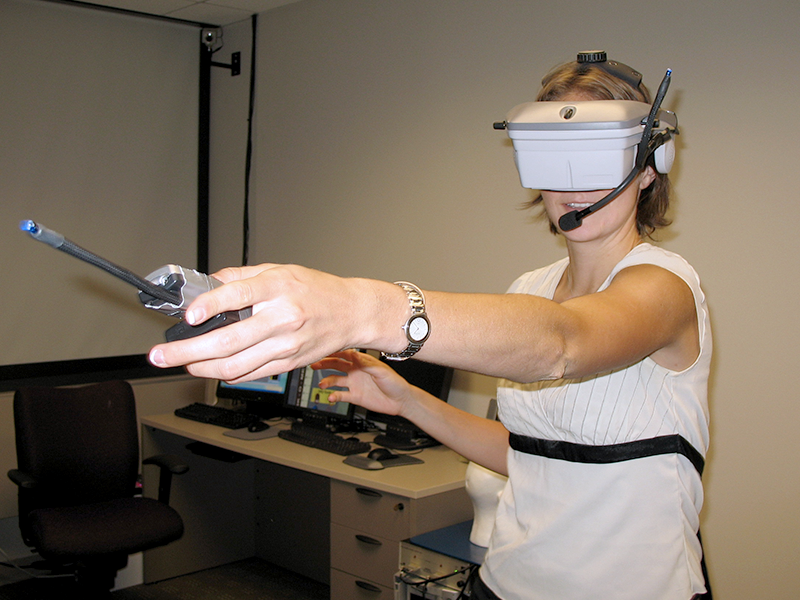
pixel 646 177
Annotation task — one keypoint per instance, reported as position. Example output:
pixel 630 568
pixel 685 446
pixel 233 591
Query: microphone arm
pixel 572 220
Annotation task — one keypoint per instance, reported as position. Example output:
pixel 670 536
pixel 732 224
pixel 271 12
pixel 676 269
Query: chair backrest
pixel 80 443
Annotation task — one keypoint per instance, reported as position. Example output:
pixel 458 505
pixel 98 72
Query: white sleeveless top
pixel 568 530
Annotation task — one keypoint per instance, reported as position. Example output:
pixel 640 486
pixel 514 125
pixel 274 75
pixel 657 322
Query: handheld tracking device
pixel 169 289
pixel 591 145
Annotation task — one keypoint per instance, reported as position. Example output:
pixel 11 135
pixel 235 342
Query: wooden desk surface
pixel 443 470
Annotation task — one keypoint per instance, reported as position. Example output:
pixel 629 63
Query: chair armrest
pixel 167 461
pixel 22 479
pixel 168 465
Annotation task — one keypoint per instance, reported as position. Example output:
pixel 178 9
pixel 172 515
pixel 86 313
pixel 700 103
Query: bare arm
pixel 646 311
pixel 301 316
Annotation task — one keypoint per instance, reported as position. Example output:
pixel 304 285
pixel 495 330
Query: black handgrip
pixel 182 330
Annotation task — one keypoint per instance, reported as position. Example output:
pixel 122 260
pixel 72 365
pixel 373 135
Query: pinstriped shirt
pixel 568 530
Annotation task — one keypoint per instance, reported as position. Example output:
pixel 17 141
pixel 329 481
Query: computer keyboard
pixel 216 415
pixel 323 440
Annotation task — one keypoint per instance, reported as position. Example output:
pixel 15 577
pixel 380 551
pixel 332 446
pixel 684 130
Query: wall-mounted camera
pixel 210 37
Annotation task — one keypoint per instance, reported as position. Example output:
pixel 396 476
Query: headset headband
pixel 599 59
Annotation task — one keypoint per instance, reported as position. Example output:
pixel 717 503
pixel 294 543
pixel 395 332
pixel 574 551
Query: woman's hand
pixel 299 316
pixel 376 386
pixel 369 382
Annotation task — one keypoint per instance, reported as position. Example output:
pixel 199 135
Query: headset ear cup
pixel 664 156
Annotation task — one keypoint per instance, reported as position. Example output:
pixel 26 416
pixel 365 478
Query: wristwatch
pixel 417 328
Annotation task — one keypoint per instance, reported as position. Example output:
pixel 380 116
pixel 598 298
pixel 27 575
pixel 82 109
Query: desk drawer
pixel 348 587
pixel 377 513
pixel 364 555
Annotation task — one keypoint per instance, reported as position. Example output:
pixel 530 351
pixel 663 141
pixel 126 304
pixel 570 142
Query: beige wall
pixel 375 156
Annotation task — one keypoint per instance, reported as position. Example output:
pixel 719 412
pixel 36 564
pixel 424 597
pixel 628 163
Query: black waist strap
pixel 583 453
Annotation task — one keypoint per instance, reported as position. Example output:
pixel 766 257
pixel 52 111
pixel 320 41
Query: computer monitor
pixel 264 397
pixel 306 400
pixel 402 434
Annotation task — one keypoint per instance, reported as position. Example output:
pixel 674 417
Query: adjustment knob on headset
pixel 592 56
pixel 612 67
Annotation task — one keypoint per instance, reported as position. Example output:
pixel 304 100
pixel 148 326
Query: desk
pixel 297 507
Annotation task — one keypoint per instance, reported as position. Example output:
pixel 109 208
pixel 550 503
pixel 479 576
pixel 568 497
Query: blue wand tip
pixel 28 226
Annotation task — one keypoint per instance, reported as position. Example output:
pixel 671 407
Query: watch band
pixel 417 322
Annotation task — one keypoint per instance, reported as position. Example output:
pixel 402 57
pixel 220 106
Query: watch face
pixel 418 329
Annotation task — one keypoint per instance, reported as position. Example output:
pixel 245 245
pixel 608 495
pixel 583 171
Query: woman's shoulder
pixel 648 254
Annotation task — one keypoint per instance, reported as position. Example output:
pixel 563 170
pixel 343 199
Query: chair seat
pixel 124 526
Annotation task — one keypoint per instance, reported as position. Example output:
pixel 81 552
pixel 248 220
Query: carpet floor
pixel 244 580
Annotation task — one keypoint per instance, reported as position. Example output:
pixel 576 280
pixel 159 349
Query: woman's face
pixel 617 216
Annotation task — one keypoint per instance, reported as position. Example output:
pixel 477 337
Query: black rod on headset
pixel 572 220
pixel 643 152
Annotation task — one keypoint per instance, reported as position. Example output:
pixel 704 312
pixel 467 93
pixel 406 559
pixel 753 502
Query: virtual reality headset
pixel 587 145
pixel 590 145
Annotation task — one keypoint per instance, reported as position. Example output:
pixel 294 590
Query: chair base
pixel 90 578
pixel 97 576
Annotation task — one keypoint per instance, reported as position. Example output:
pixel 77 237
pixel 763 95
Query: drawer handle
pixel 368 586
pixel 369 492
pixel 368 540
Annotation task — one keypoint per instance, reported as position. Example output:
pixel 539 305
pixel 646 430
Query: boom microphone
pixel 571 220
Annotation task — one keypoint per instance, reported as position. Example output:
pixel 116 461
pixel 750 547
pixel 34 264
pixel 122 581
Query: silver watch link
pixel 417 328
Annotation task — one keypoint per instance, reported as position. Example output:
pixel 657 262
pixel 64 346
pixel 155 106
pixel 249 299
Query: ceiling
pixel 213 12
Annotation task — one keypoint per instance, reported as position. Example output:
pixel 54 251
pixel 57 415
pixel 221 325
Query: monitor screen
pixel 304 395
pixel 401 433
pixel 434 379
pixel 264 397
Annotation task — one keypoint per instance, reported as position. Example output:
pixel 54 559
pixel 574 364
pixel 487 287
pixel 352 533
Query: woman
pixel 603 359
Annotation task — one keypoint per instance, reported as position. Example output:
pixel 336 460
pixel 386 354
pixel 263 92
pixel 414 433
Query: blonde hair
pixel 594 83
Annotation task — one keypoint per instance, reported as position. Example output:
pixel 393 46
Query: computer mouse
pixel 381 454
pixel 257 426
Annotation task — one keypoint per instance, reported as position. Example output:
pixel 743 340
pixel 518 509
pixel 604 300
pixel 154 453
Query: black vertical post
pixel 204 136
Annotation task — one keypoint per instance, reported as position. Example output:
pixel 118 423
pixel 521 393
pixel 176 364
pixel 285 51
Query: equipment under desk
pixel 292 502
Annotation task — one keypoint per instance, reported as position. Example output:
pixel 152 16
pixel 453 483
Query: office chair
pixel 78 462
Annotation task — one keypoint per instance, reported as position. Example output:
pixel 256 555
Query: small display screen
pixel 305 393
pixel 268 385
